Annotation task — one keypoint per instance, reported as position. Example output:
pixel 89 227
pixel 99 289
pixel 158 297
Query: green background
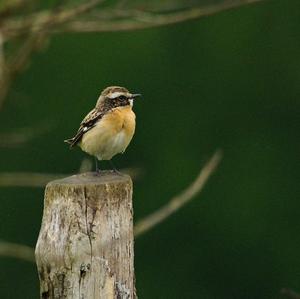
pixel 227 81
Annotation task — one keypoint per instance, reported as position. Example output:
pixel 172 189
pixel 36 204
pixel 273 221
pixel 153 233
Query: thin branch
pixel 18 137
pixel 34 28
pixel 33 179
pixel 137 19
pixel 35 39
pixel 289 293
pixel 18 62
pixel 17 251
pixel 42 21
pixel 180 200
pixel 23 252
pixel 2 57
pixel 2 60
pixel 27 179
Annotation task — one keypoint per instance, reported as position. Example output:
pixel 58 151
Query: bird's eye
pixel 122 98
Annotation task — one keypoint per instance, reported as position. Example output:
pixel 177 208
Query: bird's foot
pixel 97 172
pixel 116 171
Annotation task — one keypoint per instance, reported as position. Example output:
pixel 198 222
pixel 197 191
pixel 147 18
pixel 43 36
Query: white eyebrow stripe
pixel 115 94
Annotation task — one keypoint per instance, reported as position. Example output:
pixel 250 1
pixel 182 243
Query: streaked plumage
pixel 108 129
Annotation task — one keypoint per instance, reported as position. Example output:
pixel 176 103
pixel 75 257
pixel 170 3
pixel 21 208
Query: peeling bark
pixel 85 245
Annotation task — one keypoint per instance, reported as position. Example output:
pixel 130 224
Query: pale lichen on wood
pixel 85 246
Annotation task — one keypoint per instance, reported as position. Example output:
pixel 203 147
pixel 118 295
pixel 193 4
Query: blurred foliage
pixel 230 81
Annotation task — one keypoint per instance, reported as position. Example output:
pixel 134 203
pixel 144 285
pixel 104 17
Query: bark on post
pixel 85 246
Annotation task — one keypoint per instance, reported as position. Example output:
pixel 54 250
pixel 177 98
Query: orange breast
pixel 111 135
pixel 122 118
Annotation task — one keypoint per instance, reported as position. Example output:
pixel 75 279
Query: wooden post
pixel 85 246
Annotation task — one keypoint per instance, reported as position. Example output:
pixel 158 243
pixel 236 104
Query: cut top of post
pixel 93 178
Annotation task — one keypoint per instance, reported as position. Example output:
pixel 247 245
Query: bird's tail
pixel 73 141
pixel 70 141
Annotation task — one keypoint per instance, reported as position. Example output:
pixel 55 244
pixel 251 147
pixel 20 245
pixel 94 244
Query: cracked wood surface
pixel 85 245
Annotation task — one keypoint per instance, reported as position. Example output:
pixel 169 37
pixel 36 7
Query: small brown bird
pixel 108 129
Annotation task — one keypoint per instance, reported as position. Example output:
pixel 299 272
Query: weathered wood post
pixel 85 245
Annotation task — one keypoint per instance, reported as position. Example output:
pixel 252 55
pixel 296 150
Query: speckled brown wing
pixel 88 122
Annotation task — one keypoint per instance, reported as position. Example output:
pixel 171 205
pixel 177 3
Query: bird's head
pixel 116 96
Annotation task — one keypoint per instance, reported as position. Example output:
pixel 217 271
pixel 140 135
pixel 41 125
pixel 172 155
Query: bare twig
pixel 290 293
pixel 20 136
pixel 2 59
pixel 137 19
pixel 178 201
pixel 33 179
pixel 18 62
pixel 3 71
pixel 36 27
pixel 35 30
pixel 18 251
pixel 27 253
pixel 27 179
pixel 44 20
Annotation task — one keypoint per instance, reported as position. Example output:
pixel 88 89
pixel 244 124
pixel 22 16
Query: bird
pixel 107 129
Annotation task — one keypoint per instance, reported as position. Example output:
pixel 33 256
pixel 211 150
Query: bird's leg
pixel 97 168
pixel 114 169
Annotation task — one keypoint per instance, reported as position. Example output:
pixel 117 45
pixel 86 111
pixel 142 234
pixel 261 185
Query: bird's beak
pixel 135 95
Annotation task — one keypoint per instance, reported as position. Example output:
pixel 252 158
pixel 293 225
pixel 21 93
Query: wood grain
pixel 85 245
